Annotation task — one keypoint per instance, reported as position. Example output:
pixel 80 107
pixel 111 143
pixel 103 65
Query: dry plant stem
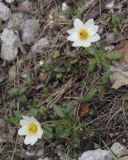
pixel 89 11
pixel 108 149
pixel 60 92
pixel 90 4
pixel 14 150
pixel 20 45
pixel 114 115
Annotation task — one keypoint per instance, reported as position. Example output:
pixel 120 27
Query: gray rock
pixel 40 45
pixel 40 153
pixel 26 5
pixel 9 1
pixel 123 158
pixel 4 12
pixel 29 30
pixel 110 5
pixel 9 47
pixel 119 149
pixel 30 154
pixel 16 20
pixel 110 37
pixel 97 154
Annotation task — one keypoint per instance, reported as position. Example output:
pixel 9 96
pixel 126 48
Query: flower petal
pixel 89 23
pixel 26 118
pixel 71 31
pixel 73 37
pixel 22 131
pixel 40 133
pixel 78 23
pixel 81 44
pixel 27 140
pixel 93 29
pixel 33 140
pixel 87 44
pixel 77 44
pixel 22 122
pixel 94 38
pixel 35 120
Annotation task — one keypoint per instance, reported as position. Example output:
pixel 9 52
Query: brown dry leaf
pixel 102 94
pixel 42 76
pixel 118 80
pixel 84 110
pixel 124 158
pixel 119 69
pixel 123 48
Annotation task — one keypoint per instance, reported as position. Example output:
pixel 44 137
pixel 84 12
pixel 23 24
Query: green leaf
pixel 69 108
pixel 42 109
pixel 33 112
pixel 125 21
pixel 115 19
pixel 29 79
pixel 22 89
pixel 14 120
pixel 13 91
pixel 59 75
pixel 23 98
pixel 105 77
pixel 91 65
pixel 91 50
pixel 92 92
pixel 76 142
pixel 48 132
pixel 115 30
pixel 58 111
pixel 56 54
pixel 18 90
pixel 62 131
pixel 90 132
pixel 114 55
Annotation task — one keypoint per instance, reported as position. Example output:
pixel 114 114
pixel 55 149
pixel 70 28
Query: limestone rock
pixel 4 12
pixel 39 45
pixel 124 158
pixel 119 149
pixel 9 1
pixel 97 154
pixel 9 47
pixel 30 30
pixel 16 20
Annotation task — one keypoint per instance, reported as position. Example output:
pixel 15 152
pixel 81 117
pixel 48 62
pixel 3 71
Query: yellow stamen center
pixel 32 128
pixel 83 34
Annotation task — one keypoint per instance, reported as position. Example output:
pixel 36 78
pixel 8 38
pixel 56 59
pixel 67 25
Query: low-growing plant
pixel 113 22
pixel 99 63
pixel 66 126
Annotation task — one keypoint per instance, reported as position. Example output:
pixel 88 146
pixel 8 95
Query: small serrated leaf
pixel 58 111
pixel 13 91
pixel 114 55
pixel 92 92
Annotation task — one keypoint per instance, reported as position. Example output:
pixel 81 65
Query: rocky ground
pixel 39 70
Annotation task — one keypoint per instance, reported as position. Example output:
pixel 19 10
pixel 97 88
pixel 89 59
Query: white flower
pixel 83 34
pixel 64 6
pixel 31 129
